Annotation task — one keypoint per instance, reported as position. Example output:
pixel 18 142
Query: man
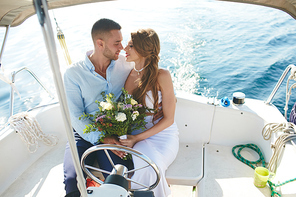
pixel 102 70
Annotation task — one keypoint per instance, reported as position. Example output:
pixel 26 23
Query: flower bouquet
pixel 116 118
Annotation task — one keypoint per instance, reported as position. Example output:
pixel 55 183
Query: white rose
pixel 120 117
pixel 106 106
pixel 134 102
pixel 135 115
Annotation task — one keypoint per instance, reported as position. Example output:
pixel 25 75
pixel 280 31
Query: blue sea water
pixel 212 48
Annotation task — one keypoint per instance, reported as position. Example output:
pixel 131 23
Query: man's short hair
pixel 102 28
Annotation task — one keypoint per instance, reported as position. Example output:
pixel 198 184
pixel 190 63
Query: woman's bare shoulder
pixel 164 77
pixel 163 73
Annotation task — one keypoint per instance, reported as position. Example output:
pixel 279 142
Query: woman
pixel 151 86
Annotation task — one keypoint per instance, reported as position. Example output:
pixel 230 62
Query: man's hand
pixel 159 114
pixel 114 140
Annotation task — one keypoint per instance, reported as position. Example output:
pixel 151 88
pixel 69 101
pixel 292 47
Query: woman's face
pixel 131 53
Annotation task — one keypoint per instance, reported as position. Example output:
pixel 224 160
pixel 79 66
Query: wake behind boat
pixel 208 132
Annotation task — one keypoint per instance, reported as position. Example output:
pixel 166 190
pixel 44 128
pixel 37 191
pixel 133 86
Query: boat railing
pixel 14 73
pixel 280 81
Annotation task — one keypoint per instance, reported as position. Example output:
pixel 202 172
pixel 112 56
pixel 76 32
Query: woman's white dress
pixel 161 148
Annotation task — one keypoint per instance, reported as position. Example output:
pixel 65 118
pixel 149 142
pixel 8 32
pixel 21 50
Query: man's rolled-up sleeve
pixel 77 108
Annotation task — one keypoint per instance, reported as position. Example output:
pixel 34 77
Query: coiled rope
pixel 30 131
pixel 262 160
pixel 289 90
pixel 288 130
pixel 242 159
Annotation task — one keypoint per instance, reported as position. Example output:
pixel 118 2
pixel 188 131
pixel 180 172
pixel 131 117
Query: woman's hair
pixel 146 44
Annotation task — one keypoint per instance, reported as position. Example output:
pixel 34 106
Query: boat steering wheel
pixel 111 147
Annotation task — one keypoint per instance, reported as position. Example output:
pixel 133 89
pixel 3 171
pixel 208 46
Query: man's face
pixel 113 45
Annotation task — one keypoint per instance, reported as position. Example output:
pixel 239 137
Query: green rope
pixel 260 160
pixel 249 163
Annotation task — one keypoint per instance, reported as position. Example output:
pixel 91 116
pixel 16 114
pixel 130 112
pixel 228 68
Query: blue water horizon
pixel 211 48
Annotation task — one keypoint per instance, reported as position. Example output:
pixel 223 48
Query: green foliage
pixel 116 117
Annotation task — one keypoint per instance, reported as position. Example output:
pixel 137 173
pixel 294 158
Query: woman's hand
pixel 130 141
pixel 114 140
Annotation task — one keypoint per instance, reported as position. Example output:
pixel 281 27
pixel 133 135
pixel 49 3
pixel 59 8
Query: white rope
pixel 288 130
pixel 30 131
pixel 289 92
pixel 4 77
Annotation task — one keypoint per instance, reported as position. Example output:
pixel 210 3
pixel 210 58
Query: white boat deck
pixel 44 178
pixel 204 161
pixel 224 176
pixel 227 176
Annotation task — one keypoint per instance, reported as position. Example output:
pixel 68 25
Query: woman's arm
pixel 168 107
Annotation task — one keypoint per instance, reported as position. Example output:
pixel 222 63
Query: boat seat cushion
pixel 187 169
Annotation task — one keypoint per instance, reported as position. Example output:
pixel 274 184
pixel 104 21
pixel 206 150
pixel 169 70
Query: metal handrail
pixel 4 42
pixel 13 81
pixel 280 81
